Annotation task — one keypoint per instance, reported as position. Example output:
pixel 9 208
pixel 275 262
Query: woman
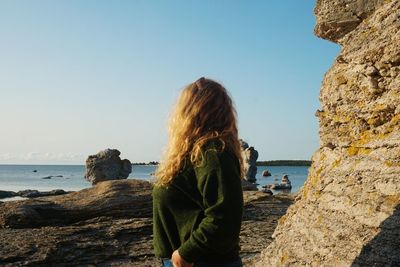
pixel 197 199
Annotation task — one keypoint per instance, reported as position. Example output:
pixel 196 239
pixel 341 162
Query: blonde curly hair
pixel 204 112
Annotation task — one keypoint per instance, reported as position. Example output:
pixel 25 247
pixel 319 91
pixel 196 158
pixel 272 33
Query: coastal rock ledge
pixel 110 224
pixel 348 212
pixel 107 225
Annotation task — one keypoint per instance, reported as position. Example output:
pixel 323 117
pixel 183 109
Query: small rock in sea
pixel 51 176
pixel 34 171
pixel 266 173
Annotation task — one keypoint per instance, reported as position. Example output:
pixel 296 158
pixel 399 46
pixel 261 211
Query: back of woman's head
pixel 204 112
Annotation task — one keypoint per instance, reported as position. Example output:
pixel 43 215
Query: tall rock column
pixel 348 212
pixel 250 156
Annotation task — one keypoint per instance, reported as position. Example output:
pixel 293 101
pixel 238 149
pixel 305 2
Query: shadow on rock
pixel 384 248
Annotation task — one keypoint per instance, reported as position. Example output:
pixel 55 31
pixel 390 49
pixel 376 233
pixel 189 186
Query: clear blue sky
pixel 80 76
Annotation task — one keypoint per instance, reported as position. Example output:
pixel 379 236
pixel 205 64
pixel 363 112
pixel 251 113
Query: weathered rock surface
pixel 247 186
pixel 250 156
pixel 261 214
pixel 107 165
pixel 110 225
pixel 101 241
pixel 29 193
pixel 339 17
pixel 347 214
pixel 6 194
pixel 121 199
pixel 35 193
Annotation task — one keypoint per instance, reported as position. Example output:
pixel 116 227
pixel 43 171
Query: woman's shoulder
pixel 215 154
pixel 222 162
pixel 216 145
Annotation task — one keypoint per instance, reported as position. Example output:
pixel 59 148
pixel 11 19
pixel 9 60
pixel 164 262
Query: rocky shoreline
pixel 110 225
pixel 29 193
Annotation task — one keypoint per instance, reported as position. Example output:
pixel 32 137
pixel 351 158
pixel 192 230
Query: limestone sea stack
pixel 250 156
pixel 107 165
pixel 348 212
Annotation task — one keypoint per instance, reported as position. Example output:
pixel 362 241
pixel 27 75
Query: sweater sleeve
pixel 218 180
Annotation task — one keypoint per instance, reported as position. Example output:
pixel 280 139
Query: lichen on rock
pixel 347 213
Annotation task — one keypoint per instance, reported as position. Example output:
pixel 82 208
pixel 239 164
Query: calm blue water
pixel 297 175
pixel 20 177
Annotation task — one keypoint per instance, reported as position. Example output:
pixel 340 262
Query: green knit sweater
pixel 200 212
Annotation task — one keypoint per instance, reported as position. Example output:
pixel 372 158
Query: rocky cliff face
pixel 348 212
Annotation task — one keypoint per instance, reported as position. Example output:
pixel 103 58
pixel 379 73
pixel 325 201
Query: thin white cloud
pixel 37 157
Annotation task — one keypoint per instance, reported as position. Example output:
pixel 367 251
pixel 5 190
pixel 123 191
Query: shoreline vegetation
pixel 154 163
pixel 259 163
pixel 284 163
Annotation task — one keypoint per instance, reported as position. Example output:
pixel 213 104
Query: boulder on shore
pixel 107 165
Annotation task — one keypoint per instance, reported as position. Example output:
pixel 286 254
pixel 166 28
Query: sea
pixel 71 177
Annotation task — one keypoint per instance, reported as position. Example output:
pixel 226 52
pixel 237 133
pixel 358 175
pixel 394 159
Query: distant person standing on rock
pixel 198 199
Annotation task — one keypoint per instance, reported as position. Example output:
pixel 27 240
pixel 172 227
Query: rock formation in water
pixel 250 156
pixel 107 165
pixel 348 212
pixel 266 173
